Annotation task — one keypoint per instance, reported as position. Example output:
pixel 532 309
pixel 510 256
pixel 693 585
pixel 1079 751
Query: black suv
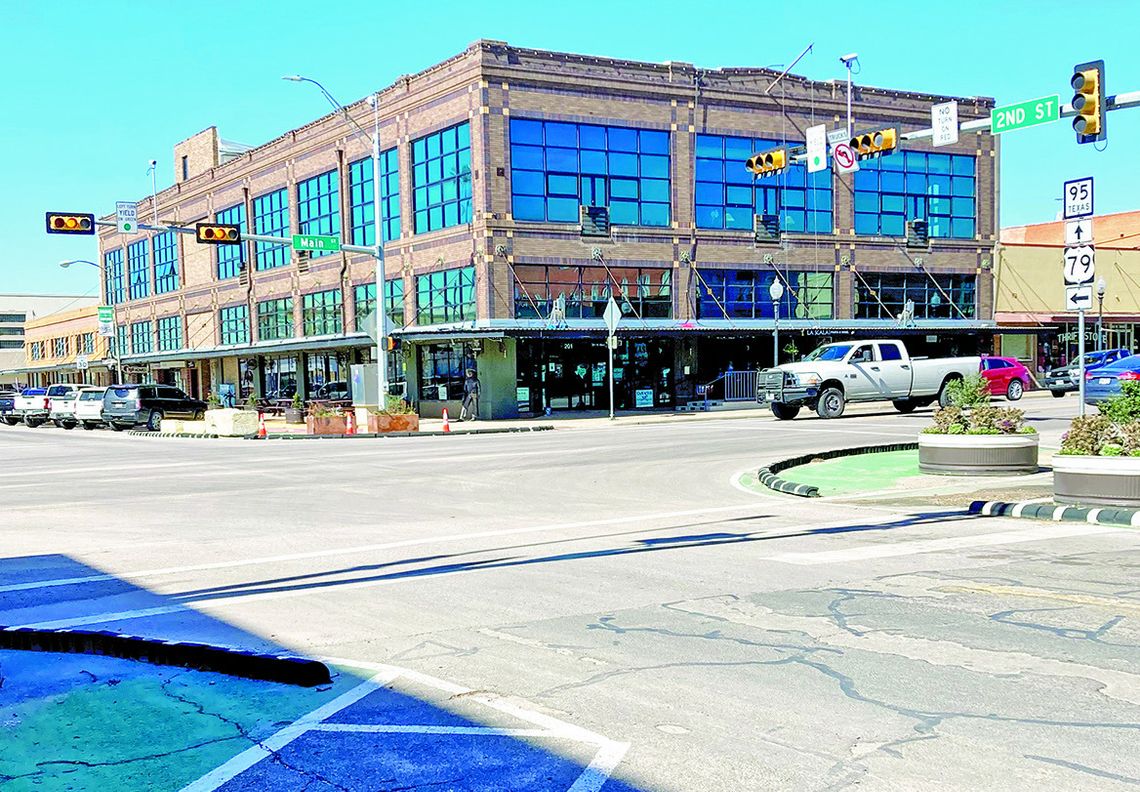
pixel 125 406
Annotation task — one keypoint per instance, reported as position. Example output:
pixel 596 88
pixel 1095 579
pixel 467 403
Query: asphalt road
pixel 614 578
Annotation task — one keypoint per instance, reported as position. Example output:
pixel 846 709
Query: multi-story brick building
pixel 55 344
pixel 17 313
pixel 494 164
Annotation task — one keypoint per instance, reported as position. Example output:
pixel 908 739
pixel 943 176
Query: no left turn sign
pixel 844 156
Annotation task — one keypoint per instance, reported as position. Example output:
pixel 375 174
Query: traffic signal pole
pixel 378 252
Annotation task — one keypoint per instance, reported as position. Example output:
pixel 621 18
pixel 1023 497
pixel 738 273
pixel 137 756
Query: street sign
pixel 1079 232
pixel 838 136
pixel 81 362
pixel 106 321
pixel 1078 298
pixel 944 122
pixel 1023 115
pixel 1080 264
pixel 1078 198
pixel 127 214
pixel 844 155
pixel 612 316
pixel 316 243
pixel 817 148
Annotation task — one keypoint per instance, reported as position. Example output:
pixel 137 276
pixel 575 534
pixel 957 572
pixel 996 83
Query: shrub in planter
pixel 398 416
pixel 1099 461
pixel 322 420
pixel 973 437
pixel 295 413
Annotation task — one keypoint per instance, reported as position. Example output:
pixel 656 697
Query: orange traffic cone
pixel 446 423
pixel 261 426
pixel 349 423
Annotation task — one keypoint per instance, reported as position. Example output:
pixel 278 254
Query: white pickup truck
pixel 859 371
pixel 33 405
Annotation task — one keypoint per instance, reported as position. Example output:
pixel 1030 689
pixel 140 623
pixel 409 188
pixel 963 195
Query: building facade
pixel 16 312
pixel 521 189
pixel 65 346
pixel 1030 307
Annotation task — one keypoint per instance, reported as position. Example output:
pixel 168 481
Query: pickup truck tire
pixel 154 420
pixel 117 427
pixel 1058 394
pixel 66 425
pixel 831 403
pixel 11 421
pixel 32 423
pixel 785 412
pixel 89 425
pixel 904 405
pixel 944 393
pixel 1015 391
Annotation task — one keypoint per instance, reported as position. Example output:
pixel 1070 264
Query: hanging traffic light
pixel 1089 101
pixel 60 223
pixel 768 163
pixel 217 233
pixel 874 144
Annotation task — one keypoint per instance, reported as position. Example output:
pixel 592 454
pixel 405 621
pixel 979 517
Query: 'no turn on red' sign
pixel 844 156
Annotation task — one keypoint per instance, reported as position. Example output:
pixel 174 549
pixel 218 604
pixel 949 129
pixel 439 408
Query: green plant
pixel 1027 430
pixel 970 391
pixel 982 430
pixel 1087 435
pixel 394 405
pixel 1125 407
pixel 318 410
pixel 213 402
pixel 251 401
pixel 1130 437
pixel 956 429
pixel 947 417
pixel 298 404
pixel 1112 449
pixel 984 418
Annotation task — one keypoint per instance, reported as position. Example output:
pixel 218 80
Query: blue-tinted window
pixel 364 299
pixel 360 189
pixel 318 206
pixel 165 248
pixel 441 177
pixel 275 319
pixel 113 276
pixel 141 338
pixel 138 269
pixel 321 314
pixel 169 333
pixel 743 294
pixel 271 218
pixel 728 196
pixel 557 167
pixel 644 292
pixel 231 258
pixel 935 296
pixel 915 185
pixel 119 342
pixel 234 325
pixel 445 296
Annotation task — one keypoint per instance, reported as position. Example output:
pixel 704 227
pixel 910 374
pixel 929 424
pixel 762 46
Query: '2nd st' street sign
pixel 1022 115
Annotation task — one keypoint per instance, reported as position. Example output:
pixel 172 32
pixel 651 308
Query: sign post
pixel 1079 264
pixel 612 317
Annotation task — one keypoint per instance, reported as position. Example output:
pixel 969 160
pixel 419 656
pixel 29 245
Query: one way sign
pixel 1079 232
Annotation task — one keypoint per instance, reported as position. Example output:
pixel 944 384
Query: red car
pixel 1006 376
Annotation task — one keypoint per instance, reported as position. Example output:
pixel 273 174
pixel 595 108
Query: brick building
pixel 54 344
pixel 501 170
pixel 17 313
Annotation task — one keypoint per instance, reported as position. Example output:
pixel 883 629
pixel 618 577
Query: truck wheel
pixel 785 412
pixel 154 420
pixel 1016 389
pixel 11 421
pixel 904 405
pixel 31 423
pixel 89 425
pixel 944 394
pixel 116 427
pixel 66 425
pixel 831 403
pixel 1058 394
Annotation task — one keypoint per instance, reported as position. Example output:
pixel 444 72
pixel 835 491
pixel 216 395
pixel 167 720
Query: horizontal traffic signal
pixel 1089 101
pixel 874 144
pixel 217 233
pixel 60 223
pixel 768 163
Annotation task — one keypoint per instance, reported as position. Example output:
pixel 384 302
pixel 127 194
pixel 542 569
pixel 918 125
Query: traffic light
pixel 60 223
pixel 768 163
pixel 874 144
pixel 1088 101
pixel 217 233
pixel 391 344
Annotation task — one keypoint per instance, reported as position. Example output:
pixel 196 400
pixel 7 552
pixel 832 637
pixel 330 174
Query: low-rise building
pixel 16 312
pixel 65 346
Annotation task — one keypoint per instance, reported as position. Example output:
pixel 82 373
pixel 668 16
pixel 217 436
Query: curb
pixel 136 433
pixel 1031 510
pixel 373 435
pixel 769 475
pixel 201 657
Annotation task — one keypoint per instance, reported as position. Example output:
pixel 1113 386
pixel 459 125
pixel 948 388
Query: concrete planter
pixel 392 422
pixel 1096 480
pixel 977 455
pixel 326 425
pixel 231 422
pixel 294 415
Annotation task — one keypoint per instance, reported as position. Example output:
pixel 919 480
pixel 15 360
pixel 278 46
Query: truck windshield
pixel 830 352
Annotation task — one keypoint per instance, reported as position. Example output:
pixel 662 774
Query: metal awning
pixel 309 343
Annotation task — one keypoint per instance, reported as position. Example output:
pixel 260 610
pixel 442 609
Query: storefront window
pixel 280 377
pixel 884 296
pixel 743 294
pixel 640 291
pixel 443 367
pixel 325 368
pixel 247 378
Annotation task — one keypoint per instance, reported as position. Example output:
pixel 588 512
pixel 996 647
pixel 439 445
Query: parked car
pixel 1104 382
pixel 1005 376
pixel 859 371
pixel 8 407
pixel 126 406
pixel 89 407
pixel 33 405
pixel 332 391
pixel 1062 379
pixel 61 409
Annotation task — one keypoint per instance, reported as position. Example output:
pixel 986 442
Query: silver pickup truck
pixel 859 371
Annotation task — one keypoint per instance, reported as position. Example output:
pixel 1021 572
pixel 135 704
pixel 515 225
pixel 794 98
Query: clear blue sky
pixel 94 90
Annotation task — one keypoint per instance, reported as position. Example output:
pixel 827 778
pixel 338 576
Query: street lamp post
pixel 378 231
pixel 776 291
pixel 848 60
pixel 1101 288
pixel 113 344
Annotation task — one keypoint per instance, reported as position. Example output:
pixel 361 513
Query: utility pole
pixel 381 306
pixel 848 60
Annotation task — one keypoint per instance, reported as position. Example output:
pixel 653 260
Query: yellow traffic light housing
pixel 768 163
pixel 1089 101
pixel 73 223
pixel 217 233
pixel 874 144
